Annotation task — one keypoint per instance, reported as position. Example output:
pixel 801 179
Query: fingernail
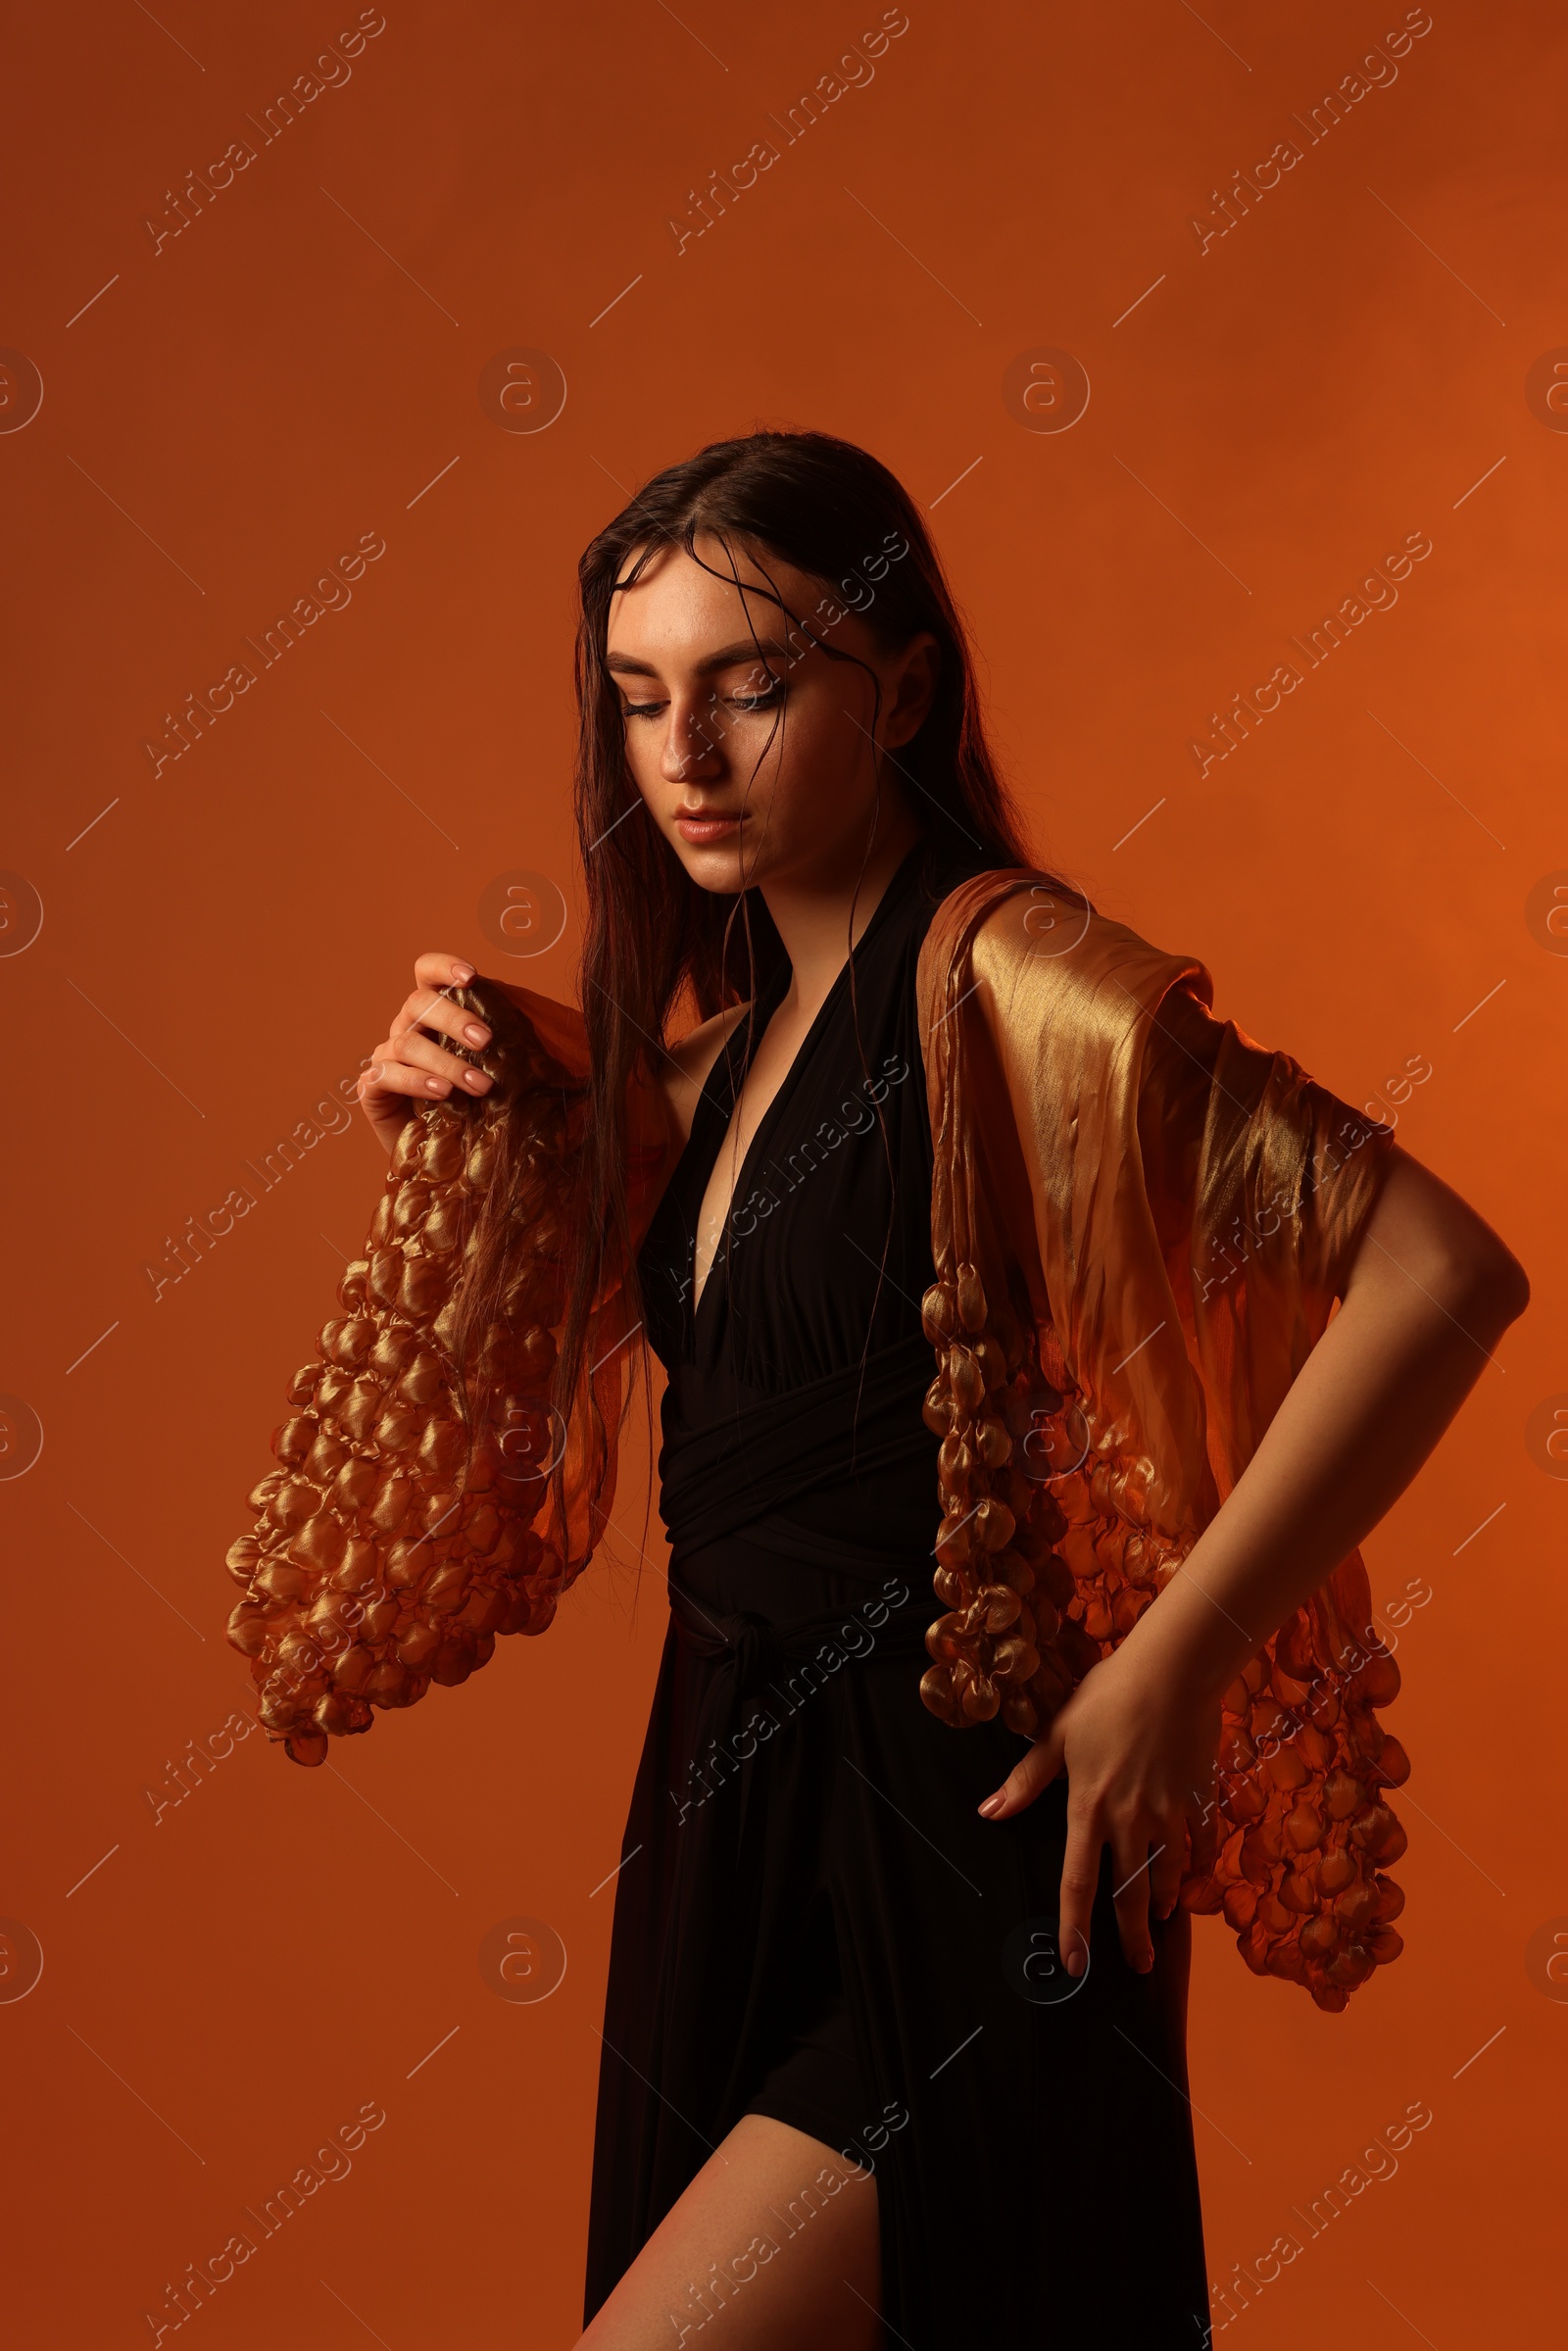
pixel 435 1085
pixel 1144 1962
pixel 475 1078
pixel 462 972
pixel 374 1071
pixel 1075 1963
pixel 474 1034
pixel 993 1805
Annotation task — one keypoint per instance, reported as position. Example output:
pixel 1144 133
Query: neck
pixel 813 913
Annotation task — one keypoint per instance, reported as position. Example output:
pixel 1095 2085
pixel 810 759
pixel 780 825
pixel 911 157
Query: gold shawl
pixel 1141 1221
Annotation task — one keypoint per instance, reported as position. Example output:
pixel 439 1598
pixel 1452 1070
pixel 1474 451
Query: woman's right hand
pixel 410 1062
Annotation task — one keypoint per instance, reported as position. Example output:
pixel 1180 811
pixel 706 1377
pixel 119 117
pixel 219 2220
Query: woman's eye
pixel 761 697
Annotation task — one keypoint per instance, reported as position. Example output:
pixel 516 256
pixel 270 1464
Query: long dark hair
pixel 653 939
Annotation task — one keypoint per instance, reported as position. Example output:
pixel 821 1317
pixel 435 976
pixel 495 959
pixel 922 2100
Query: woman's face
pixel 755 760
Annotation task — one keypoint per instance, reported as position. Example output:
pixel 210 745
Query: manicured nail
pixel 462 972
pixel 993 1805
pixel 474 1078
pixel 476 1035
pixel 435 1085
pixel 1076 1961
pixel 374 1071
pixel 1144 1962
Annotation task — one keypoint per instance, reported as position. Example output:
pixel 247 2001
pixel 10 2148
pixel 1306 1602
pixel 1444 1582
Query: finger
pixel 442 972
pixel 436 974
pixel 431 1002
pixel 432 1008
pixel 388 1076
pixel 1130 1847
pixel 1168 1867
pixel 1080 1875
pixel 412 1049
pixel 1200 1819
pixel 1027 1778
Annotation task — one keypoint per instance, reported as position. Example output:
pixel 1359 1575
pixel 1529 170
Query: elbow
pixel 1427 1232
pixel 1483 1284
pixel 1509 1286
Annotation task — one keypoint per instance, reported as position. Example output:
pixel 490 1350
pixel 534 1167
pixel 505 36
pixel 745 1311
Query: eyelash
pixel 769 700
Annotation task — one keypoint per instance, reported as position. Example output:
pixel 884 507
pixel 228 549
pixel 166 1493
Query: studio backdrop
pixel 1225 350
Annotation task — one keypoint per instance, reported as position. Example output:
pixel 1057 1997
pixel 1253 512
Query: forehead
pixel 678 605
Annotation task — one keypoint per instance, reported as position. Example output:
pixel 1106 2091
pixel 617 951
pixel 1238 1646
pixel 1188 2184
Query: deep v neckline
pixel 709 1102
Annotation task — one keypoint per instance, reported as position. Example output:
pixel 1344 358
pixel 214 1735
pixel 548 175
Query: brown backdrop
pixel 1305 267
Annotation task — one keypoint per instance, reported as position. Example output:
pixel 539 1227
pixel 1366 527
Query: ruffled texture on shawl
pixel 1142 1220
pixel 389 1550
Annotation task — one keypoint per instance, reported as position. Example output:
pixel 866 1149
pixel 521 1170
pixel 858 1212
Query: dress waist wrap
pixel 790 1468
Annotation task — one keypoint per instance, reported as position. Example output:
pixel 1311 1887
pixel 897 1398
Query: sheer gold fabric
pixel 398 1535
pixel 1141 1220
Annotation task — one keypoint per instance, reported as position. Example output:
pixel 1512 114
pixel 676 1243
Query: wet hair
pixel 654 941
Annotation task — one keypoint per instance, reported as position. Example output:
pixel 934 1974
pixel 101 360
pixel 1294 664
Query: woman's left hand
pixel 1139 1751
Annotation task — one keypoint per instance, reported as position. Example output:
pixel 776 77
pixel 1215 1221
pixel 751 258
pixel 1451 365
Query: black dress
pixel 812 1920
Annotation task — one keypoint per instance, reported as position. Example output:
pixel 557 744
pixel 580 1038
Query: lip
pixel 697 828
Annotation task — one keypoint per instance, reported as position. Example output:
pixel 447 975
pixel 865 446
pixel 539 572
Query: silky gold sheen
pixel 1170 1209
pixel 1141 1220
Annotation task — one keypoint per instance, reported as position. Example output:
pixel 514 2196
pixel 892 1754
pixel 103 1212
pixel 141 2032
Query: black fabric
pixel 740 1467
pixel 812 1920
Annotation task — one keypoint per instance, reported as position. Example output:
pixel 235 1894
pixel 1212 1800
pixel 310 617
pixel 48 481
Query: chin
pixel 719 867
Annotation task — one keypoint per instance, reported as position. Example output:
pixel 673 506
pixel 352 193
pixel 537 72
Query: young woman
pixel 893 2036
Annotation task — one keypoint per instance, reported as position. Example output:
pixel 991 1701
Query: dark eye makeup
pixel 766 698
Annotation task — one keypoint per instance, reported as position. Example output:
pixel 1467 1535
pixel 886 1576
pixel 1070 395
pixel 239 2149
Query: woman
pixel 894 2022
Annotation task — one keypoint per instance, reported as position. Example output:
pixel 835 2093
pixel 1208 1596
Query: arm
pixel 1430 1290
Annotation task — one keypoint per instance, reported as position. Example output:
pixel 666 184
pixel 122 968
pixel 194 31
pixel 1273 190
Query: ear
pixel 913 689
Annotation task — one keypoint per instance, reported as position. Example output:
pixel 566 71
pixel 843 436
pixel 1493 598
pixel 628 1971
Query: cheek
pixel 830 774
pixel 644 741
pixel 816 755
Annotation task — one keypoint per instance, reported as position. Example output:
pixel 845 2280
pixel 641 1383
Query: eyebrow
pixel 743 649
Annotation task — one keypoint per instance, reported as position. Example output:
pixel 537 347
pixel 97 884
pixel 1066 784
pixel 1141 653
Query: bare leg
pixel 774 2243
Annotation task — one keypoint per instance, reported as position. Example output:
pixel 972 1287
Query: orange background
pixel 224 940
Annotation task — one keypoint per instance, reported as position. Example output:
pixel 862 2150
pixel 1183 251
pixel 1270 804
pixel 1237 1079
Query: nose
pixel 689 748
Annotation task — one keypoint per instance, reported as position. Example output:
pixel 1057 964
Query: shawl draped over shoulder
pixel 1142 1220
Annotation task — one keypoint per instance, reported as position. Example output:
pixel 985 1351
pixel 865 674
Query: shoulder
pixel 672 1079
pixel 558 1027
pixel 1026 947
